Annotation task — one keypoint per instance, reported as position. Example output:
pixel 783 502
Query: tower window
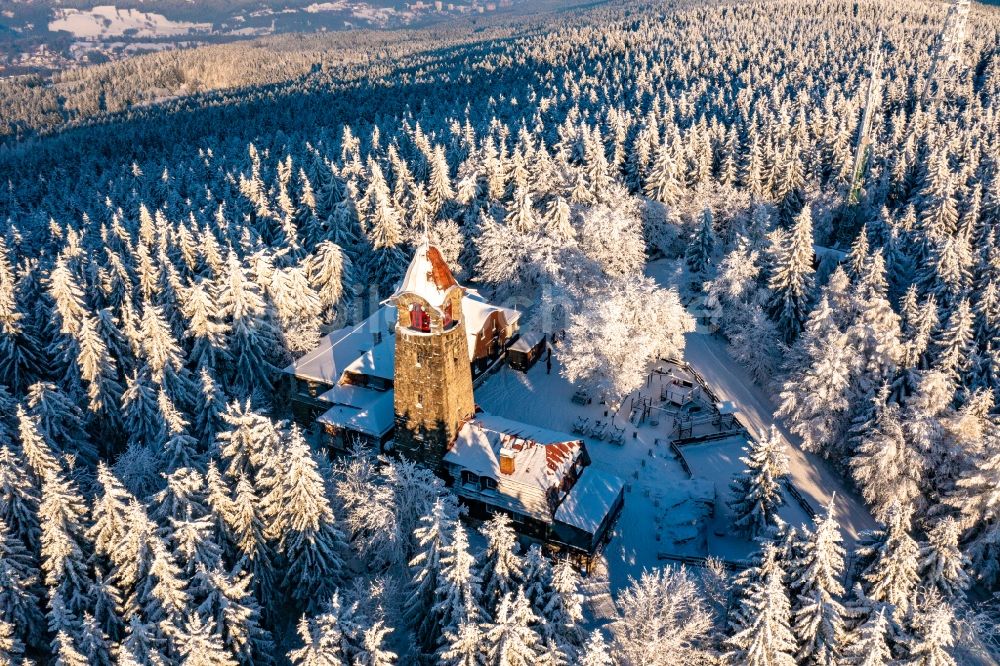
pixel 419 319
pixel 420 400
pixel 448 319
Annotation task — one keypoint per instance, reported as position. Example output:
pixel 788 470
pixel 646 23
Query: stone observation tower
pixel 433 380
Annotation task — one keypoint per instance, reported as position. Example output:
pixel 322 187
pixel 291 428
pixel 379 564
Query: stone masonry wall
pixel 434 398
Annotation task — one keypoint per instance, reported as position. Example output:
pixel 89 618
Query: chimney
pixel 506 461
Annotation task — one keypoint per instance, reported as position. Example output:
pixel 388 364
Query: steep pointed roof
pixel 428 276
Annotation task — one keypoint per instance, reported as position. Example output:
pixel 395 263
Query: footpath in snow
pixel 811 475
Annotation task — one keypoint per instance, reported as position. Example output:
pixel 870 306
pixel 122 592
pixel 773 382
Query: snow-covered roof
pixel 476 311
pixel 590 500
pixel 427 276
pixel 526 341
pixel 379 361
pixel 354 349
pixel 542 458
pixel 359 409
pixel 520 430
pixel 339 349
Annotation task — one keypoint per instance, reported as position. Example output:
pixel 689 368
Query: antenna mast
pixel 948 50
pixel 873 98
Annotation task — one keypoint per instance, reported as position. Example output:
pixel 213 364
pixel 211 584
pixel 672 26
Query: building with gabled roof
pixel 404 379
pixel 346 385
pixel 540 477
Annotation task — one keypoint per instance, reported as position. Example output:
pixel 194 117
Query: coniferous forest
pixel 164 255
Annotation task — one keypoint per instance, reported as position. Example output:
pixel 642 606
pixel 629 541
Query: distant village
pixel 74 37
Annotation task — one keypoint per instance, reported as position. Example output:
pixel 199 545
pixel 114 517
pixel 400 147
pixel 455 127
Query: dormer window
pixel 420 320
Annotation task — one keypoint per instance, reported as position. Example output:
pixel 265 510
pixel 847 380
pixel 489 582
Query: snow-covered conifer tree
pixel 110 513
pixel 11 648
pixel 815 579
pixel 206 333
pixel 19 603
pixel 762 634
pixel 194 543
pixel 870 644
pixel 65 651
pixel 18 499
pixel 537 579
pixel 179 449
pixel 93 643
pixel 219 499
pixel 954 343
pixel 503 569
pixel 249 441
pixel 320 644
pixel 248 532
pixel 65 548
pixel 977 502
pixel 298 308
pixel 933 635
pixel 890 560
pixel 201 645
pixel 209 404
pixel 596 651
pixel 373 650
pixel 140 646
pixel 942 564
pixel 885 466
pixel 303 524
pixel 563 613
pixel 463 647
pixel 107 606
pixel 253 337
pixel 162 595
pixel 815 397
pixel 663 183
pixel 756 492
pixel 97 368
pixel 702 245
pixel 791 280
pixel 328 269
pixel 164 357
pixel 457 595
pixel 227 601
pixel 432 538
pixel 509 638
pixel 664 620
pixel 20 348
pixel 141 413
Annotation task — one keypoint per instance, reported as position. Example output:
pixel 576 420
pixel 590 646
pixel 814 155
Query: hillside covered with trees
pixel 162 259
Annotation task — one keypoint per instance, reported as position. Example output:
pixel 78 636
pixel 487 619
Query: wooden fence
pixel 698 561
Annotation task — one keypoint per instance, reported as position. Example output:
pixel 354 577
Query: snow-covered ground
pixel 106 21
pixel 811 475
pixel 719 462
pixel 665 512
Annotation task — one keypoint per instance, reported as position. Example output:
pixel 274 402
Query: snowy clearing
pixel 811 475
pixel 666 513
